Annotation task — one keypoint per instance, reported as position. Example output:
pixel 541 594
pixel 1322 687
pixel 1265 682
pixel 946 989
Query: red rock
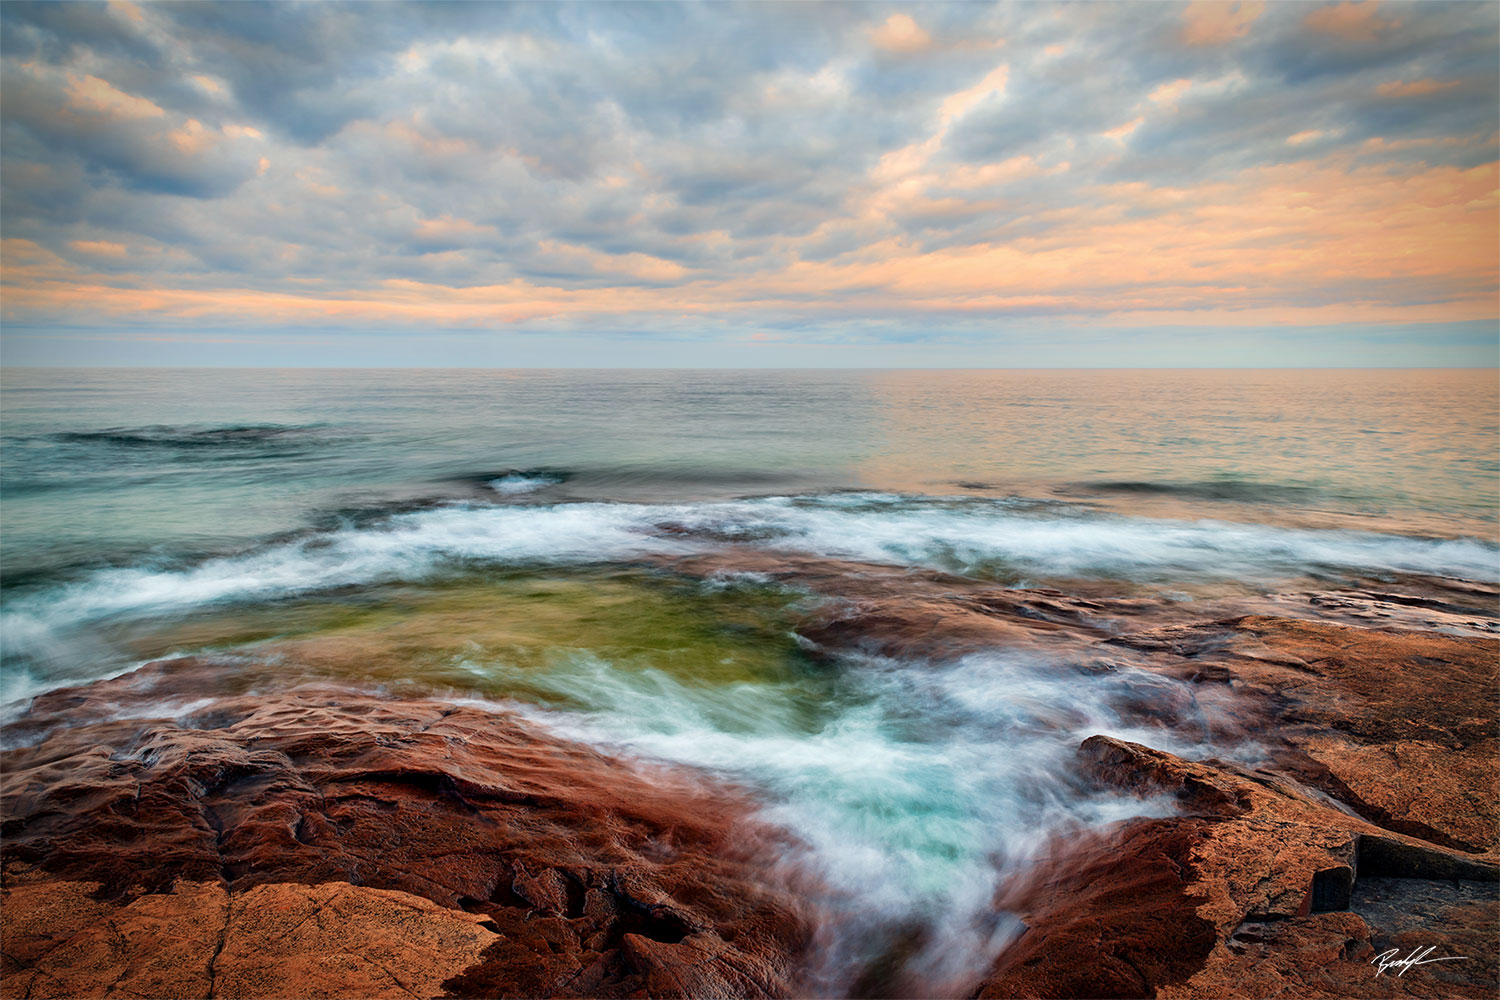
pixel 577 875
pixel 1399 725
pixel 1172 907
pixel 199 939
pixel 1106 917
pixel 565 854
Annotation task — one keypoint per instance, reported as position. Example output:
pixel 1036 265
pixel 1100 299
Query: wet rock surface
pixel 1397 724
pixel 247 839
pixel 1368 832
pixel 549 869
pixel 1259 888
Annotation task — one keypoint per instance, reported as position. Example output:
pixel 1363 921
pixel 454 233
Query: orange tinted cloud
pixel 1353 21
pixel 1287 244
pixel 1416 88
pixel 900 33
pixel 99 248
pixel 888 170
pixel 1214 22
pixel 96 96
pixel 449 229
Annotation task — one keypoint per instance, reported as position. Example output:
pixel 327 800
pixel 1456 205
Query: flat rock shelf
pixel 208 826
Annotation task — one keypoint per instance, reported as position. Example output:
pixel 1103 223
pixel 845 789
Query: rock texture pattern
pixel 1370 827
pixel 199 939
pixel 357 846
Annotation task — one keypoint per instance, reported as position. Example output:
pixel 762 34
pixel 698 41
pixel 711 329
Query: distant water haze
pixel 102 463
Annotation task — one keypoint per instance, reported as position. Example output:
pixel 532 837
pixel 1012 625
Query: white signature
pixel 1391 959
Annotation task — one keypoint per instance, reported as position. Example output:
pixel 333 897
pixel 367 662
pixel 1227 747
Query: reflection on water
pixel 1409 447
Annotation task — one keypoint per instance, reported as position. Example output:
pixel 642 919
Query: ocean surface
pixel 599 550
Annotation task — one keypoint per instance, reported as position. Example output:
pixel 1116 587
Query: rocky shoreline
pixel 197 828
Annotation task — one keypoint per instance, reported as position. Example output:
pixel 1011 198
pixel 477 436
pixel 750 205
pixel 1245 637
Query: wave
pixel 1011 541
pixel 646 481
pixel 1244 490
pixel 513 483
pixel 916 792
pixel 187 436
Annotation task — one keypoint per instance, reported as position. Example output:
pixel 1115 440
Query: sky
pixel 750 185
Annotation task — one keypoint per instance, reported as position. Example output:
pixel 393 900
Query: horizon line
pixel 600 368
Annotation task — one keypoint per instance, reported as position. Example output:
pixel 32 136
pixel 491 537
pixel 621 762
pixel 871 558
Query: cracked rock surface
pixel 319 842
pixel 1369 825
pixel 200 939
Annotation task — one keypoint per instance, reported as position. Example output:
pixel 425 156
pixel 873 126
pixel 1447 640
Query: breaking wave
pixel 513 483
pixel 915 792
pixel 1010 541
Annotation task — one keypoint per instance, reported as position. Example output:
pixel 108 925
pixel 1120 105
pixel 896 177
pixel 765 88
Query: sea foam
pixel 1004 540
pixel 913 795
pixel 514 483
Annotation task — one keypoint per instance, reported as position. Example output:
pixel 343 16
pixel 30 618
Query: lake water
pixel 527 539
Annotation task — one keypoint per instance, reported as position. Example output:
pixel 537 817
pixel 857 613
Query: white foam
pixel 916 791
pixel 1059 541
pixel 19 686
pixel 977 536
pixel 407 547
pixel 518 482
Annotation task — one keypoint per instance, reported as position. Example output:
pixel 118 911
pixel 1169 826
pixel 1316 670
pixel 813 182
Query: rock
pixel 1106 916
pixel 1378 771
pixel 337 939
pixel 937 628
pixel 60 941
pixel 1146 772
pixel 1232 897
pixel 199 939
pixel 1404 913
pixel 197 826
pixel 1398 725
pixel 1406 857
pixel 558 854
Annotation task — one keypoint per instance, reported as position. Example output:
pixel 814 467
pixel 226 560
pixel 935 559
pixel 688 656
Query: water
pixel 536 540
pixel 100 465
pixel 915 790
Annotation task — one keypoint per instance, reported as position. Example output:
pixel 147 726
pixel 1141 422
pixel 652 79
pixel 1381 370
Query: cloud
pixel 1214 22
pixel 99 248
pixel 899 33
pixel 55 115
pixel 1416 88
pixel 1352 21
pixel 841 171
pixel 92 95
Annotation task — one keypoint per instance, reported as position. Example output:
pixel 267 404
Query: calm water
pixel 510 537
